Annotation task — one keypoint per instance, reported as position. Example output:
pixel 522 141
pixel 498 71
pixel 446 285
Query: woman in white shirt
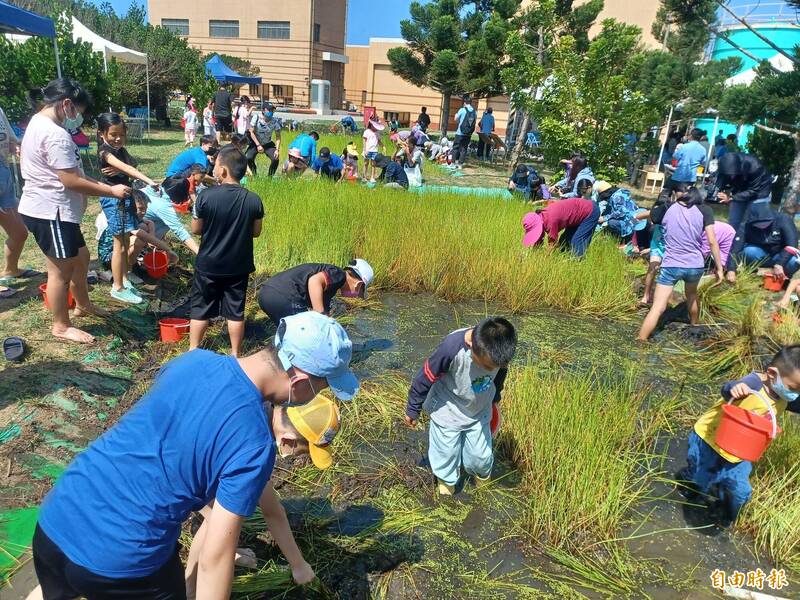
pixel 54 200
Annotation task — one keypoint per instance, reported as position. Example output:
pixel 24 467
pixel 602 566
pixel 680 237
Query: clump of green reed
pixel 773 513
pixel 457 247
pixel 584 447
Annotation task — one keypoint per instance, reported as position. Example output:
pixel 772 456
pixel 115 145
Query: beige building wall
pixel 287 66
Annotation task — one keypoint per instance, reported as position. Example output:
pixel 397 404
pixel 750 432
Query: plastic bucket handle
pixel 773 416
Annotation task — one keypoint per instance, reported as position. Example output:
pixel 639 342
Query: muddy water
pixel 405 330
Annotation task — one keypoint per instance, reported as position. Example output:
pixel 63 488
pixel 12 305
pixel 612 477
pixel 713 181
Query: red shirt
pixel 565 213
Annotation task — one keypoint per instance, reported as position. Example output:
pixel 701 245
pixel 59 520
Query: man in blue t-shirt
pixel 328 165
pixel 203 155
pixel 466 119
pixel 307 144
pixel 204 435
pixel 485 134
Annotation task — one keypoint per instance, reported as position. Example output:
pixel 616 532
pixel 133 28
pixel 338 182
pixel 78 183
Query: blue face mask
pixel 268 114
pixel 72 123
pixel 781 390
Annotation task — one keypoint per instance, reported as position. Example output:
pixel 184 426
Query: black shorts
pixel 214 296
pixel 62 579
pixel 224 124
pixel 277 305
pixel 56 238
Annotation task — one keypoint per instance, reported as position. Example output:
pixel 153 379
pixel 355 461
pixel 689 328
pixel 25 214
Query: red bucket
pixel 43 291
pixel 494 423
pixel 156 263
pixel 183 207
pixel 773 283
pixel 173 329
pixel 745 434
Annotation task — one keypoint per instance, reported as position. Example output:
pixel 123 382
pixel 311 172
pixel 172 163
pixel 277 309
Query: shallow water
pixel 663 529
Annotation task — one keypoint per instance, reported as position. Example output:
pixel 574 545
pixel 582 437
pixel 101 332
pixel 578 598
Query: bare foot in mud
pixel 92 309
pixel 73 334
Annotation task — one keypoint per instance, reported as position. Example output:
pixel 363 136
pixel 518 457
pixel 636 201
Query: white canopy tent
pixel 107 48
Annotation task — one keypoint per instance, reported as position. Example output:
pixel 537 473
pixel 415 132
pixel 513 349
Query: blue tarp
pixel 222 72
pixel 17 20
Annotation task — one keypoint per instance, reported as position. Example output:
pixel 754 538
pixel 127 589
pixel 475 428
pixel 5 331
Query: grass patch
pixel 453 246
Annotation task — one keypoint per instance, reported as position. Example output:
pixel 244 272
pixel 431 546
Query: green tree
pixel 454 47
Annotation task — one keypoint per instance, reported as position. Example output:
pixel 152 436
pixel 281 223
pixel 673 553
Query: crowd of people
pixel 204 438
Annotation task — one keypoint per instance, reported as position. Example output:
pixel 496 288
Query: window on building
pixel 176 26
pixel 317 30
pixel 363 97
pixel 283 94
pixel 273 30
pixel 223 29
pixel 404 118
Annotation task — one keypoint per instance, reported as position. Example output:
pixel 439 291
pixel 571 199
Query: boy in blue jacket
pixel 457 386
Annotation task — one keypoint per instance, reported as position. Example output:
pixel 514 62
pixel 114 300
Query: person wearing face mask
pixel 769 393
pixel 204 155
pixel 312 286
pixel 206 433
pixel 263 125
pixel 54 200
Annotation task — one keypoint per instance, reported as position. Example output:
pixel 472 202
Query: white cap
pixel 365 272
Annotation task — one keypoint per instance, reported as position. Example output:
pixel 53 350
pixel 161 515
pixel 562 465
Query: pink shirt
pixel 725 235
pixel 47 148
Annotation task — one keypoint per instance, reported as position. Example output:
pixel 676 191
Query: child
pixel 312 287
pixel 208 119
pixel 709 465
pixel 228 217
pixel 198 177
pixel 118 167
pixel 161 211
pixel 189 126
pixel 371 141
pixel 575 217
pixel 457 386
pixel 684 223
pixel 350 157
pixel 295 165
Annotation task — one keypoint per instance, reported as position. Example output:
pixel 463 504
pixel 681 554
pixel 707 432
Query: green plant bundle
pixel 456 247
pixel 583 446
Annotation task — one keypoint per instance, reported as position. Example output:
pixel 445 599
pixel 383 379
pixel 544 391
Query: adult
pixel 687 158
pixel 577 181
pixel 243 114
pixel 263 125
pixel 732 143
pixel 208 120
pixel 766 238
pixel 392 173
pixel 328 165
pixel 424 119
pixel 306 143
pixel 618 212
pixel 202 155
pixel 485 143
pixel 525 181
pixel 413 159
pixel 466 119
pixel 54 199
pixel 295 164
pixel 348 124
pixel 312 286
pixel 575 217
pixel 10 221
pixel 720 148
pixel 704 142
pixel 205 434
pixel 223 112
pixel 743 180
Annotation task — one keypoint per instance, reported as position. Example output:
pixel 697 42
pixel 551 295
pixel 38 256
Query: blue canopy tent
pixel 224 74
pixel 16 20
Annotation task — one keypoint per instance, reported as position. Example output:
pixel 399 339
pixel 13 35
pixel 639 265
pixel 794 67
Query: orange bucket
pixel 156 263
pixel 773 283
pixel 745 434
pixel 173 329
pixel 70 299
pixel 181 208
pixel 494 422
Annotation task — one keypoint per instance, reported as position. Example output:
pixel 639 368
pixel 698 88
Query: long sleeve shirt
pixel 452 389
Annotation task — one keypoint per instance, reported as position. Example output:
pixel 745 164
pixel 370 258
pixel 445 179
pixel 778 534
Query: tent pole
pixel 105 70
pixel 711 143
pixel 666 137
pixel 58 59
pixel 147 79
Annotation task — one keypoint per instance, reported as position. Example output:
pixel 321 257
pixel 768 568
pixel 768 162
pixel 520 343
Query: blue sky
pixel 363 20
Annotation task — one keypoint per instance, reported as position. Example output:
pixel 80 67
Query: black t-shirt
pixel 121 154
pixel 292 284
pixel 228 212
pixel 222 103
pixel 395 174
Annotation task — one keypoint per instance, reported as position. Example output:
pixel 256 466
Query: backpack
pixel 469 122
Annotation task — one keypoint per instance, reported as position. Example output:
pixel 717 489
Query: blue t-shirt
pixel 200 433
pixel 690 156
pixel 307 146
pixel 334 164
pixel 487 123
pixel 187 158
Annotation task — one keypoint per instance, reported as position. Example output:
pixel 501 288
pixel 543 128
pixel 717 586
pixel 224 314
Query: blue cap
pixel 318 345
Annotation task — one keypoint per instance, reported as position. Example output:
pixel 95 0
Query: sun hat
pixel 533 224
pixel 601 186
pixel 365 272
pixel 295 153
pixel 377 125
pixel 352 151
pixel 318 423
pixel 317 344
